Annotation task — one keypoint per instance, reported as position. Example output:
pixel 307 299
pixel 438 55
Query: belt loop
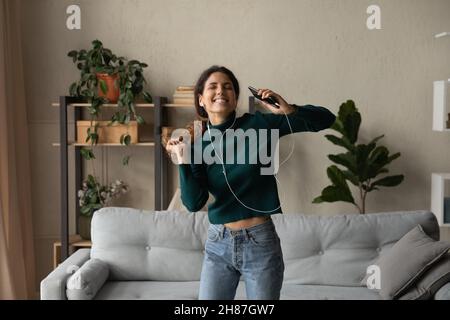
pixel 247 236
pixel 222 232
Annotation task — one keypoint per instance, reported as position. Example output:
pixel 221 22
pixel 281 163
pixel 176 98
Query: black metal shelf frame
pixel 160 165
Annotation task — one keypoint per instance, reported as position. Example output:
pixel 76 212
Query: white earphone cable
pixel 223 165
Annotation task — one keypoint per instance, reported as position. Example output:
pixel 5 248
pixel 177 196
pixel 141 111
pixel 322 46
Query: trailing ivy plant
pixel 362 162
pixel 131 82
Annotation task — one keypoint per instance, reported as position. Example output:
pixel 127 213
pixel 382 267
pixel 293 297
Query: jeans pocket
pixel 213 235
pixel 264 238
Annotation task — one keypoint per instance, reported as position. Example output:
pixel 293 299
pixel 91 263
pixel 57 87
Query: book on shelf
pixel 185 88
pixel 184 95
pixel 184 101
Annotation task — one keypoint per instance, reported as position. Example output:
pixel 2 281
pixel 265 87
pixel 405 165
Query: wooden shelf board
pixel 76 241
pixel 139 144
pixel 108 105
pixel 174 105
pixel 137 105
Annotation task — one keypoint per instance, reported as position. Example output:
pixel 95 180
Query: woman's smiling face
pixel 218 97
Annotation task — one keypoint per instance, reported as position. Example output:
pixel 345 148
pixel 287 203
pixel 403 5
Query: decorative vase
pixel 112 85
pixel 84 227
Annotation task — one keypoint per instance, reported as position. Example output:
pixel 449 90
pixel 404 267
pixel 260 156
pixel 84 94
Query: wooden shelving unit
pixel 75 105
pixel 75 144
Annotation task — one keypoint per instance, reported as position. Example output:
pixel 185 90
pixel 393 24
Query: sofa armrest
pixel 443 293
pixel 87 281
pixel 53 287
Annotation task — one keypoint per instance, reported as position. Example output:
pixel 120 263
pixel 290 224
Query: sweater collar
pixel 226 124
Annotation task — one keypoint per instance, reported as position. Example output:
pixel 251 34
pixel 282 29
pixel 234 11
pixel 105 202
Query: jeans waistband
pixel 222 229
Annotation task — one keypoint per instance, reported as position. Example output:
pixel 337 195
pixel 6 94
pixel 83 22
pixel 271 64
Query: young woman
pixel 242 239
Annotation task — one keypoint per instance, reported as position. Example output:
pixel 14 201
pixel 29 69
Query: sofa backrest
pixel 168 245
pixel 336 250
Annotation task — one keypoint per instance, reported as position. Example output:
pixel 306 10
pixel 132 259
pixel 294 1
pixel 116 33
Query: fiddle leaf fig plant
pixel 362 163
pixel 130 81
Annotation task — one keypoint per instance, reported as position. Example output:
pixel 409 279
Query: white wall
pixel 309 51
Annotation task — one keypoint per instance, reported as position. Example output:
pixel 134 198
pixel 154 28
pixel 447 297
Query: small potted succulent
pixel 94 196
pixel 108 78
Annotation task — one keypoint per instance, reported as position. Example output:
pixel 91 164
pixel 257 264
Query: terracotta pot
pixel 112 83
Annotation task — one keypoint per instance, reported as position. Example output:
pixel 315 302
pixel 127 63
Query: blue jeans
pixel 255 253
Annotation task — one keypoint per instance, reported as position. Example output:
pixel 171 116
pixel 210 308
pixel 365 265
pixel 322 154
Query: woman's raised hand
pixel 284 106
pixel 175 147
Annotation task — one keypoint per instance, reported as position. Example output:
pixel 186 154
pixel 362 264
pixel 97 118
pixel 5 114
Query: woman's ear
pixel 200 98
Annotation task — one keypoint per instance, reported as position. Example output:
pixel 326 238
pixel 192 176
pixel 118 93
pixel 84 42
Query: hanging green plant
pixel 107 78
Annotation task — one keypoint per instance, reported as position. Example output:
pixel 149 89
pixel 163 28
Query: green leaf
pixel 390 181
pixel 346 109
pixel 103 86
pixel 140 120
pixel 73 89
pixel 362 154
pixel 338 126
pixel 343 142
pixel 351 177
pixel 147 97
pixel 346 159
pixel 125 160
pixel 85 210
pixel 97 44
pixel 127 139
pixel 72 53
pixel 87 154
pixel 336 176
pixel 376 139
pixel 333 194
pixel 351 127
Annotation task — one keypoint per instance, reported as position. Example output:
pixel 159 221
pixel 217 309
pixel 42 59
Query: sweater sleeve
pixel 194 186
pixel 304 118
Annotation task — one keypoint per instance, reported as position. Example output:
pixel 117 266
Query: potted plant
pixel 94 196
pixel 107 78
pixel 362 162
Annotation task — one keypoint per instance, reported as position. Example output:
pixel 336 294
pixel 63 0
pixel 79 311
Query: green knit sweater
pixel 254 190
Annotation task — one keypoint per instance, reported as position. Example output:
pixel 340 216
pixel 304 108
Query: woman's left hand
pixel 284 106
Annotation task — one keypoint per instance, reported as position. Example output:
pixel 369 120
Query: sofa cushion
pixel 87 280
pixel 335 250
pixel 407 260
pixel 148 245
pixel 430 282
pixel 188 290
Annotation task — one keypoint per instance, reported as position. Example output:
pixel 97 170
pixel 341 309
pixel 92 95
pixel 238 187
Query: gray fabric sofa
pixel 158 255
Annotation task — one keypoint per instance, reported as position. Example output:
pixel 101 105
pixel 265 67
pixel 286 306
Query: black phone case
pixel 270 100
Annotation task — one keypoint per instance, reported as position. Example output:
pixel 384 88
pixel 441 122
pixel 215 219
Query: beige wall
pixel 310 51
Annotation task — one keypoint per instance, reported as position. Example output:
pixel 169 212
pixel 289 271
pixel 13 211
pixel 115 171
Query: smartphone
pixel 270 99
